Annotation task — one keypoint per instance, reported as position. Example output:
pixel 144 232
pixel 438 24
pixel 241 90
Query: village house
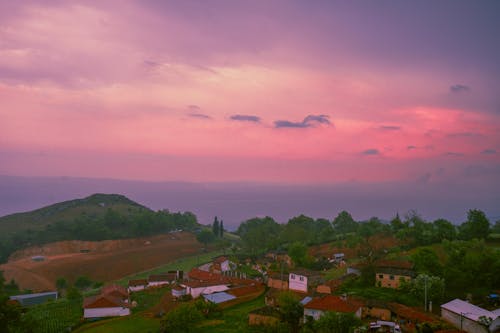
pixel 137 285
pixel 111 302
pixel 468 317
pixel 104 306
pixel 277 281
pixel 390 274
pixel 318 306
pixel 300 280
pixel 221 265
pixel 178 291
pixel 159 280
pixel 196 288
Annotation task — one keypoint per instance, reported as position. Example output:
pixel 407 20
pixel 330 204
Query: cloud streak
pixel 244 117
pixel 309 121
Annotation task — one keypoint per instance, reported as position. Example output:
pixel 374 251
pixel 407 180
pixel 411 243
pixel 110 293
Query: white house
pixel 196 288
pixel 104 306
pixel 468 317
pixel 318 306
pixel 297 282
pixel 137 285
pixel 221 265
pixel 160 280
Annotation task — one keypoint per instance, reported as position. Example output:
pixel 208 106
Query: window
pixel 301 278
pixel 391 277
pixel 292 276
pixel 381 276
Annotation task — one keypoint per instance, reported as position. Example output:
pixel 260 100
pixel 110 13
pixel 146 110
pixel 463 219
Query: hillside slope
pixel 94 206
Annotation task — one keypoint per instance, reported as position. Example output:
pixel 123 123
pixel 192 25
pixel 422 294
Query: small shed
pixel 218 298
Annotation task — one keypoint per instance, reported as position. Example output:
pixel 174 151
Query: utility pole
pixel 425 293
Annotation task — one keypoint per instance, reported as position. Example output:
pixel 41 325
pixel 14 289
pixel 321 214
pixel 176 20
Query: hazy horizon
pixel 236 202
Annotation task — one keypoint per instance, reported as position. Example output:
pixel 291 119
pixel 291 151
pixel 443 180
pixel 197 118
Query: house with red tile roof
pixel 196 288
pixel 115 290
pixel 318 306
pixel 137 285
pixel 104 305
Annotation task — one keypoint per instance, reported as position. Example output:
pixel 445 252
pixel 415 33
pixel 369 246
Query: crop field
pixel 56 316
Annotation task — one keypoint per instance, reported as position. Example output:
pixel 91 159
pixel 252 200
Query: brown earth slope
pixel 105 260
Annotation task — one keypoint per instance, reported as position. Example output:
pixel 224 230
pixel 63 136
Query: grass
pixel 129 324
pixel 148 298
pixel 184 264
pixel 335 273
pixel 233 320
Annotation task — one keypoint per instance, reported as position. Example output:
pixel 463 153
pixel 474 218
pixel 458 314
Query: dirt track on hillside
pixel 105 261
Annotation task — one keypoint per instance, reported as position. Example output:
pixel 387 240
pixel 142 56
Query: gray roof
pixel 467 310
pixel 220 297
pixel 34 299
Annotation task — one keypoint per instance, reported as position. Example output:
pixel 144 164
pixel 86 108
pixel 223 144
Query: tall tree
pixel 344 223
pixel 291 310
pixel 221 228
pixel 215 227
pixel 205 237
pixel 477 226
pixel 336 322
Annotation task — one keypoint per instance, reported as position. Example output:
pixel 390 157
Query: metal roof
pixel 467 309
pixel 34 299
pixel 220 297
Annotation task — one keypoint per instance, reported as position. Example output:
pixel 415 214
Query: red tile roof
pixel 394 264
pixel 410 313
pixel 135 283
pixel 200 284
pixel 245 290
pixel 220 260
pixel 198 274
pixel 334 303
pixel 103 301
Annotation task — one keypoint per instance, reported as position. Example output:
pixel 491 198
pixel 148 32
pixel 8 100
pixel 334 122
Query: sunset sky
pixel 291 92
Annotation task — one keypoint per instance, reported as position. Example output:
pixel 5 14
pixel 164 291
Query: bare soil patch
pixel 105 260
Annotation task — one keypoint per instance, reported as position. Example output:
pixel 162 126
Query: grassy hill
pixel 97 217
pixel 94 206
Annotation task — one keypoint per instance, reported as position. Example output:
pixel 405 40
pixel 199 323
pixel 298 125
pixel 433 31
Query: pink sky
pixel 285 92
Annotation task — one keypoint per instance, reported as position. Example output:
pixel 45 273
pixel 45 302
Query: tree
pixel 61 283
pixel 205 237
pixel 83 282
pixel 291 310
pixel 426 261
pixel 477 226
pixel 221 229
pixel 259 234
pixel 444 229
pixel 298 252
pixel 424 286
pixel 182 319
pixel 344 223
pixel 335 322
pixel 73 293
pixel 215 227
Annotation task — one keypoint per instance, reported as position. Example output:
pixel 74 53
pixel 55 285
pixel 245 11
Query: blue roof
pixel 219 297
pixel 306 300
pixel 34 299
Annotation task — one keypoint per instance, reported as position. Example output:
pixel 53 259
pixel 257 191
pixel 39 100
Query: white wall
pixel 462 322
pixel 297 282
pixel 105 312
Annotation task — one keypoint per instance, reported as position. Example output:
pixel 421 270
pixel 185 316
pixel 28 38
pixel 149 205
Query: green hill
pixel 94 206
pixel 97 217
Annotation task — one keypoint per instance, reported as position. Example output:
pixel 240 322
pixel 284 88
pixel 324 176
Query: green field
pixel 56 316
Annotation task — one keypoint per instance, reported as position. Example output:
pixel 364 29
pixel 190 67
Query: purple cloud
pixel 199 116
pixel 244 117
pixel 459 88
pixel 489 152
pixel 371 151
pixel 309 121
pixel 389 128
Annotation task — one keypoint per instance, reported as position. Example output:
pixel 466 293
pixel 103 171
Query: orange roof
pixel 394 264
pixel 198 274
pixel 103 301
pixel 334 303
pixel 410 313
pixel 167 277
pixel 245 290
pixel 200 284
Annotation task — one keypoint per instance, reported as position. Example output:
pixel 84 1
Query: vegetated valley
pixel 306 275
